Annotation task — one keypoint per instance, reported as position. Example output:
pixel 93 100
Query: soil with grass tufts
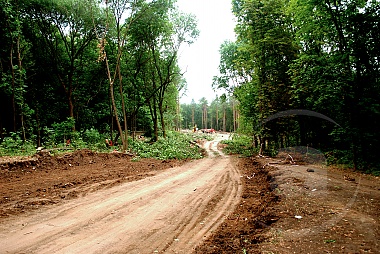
pixel 28 183
pixel 214 205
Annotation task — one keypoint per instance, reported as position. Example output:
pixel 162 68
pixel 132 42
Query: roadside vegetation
pixel 112 67
pixel 61 138
pixel 239 144
pixel 175 146
pixel 319 56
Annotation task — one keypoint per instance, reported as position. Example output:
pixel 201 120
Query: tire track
pixel 167 212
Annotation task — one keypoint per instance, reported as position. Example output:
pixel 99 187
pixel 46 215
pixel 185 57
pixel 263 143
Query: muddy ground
pixel 284 208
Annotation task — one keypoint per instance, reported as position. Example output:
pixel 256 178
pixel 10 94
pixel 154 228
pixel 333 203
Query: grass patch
pixel 174 146
pixel 239 144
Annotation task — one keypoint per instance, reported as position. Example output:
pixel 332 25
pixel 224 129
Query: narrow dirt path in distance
pixel 171 211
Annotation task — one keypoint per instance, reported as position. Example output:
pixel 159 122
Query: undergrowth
pixel 174 146
pixel 239 144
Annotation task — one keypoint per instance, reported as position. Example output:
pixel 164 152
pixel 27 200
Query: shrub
pixel 239 144
pixel 175 146
pixel 14 145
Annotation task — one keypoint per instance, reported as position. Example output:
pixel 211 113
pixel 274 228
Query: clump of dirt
pixel 324 210
pixel 293 208
pixel 45 179
pixel 244 229
pixel 286 206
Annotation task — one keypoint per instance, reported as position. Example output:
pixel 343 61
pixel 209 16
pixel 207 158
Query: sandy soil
pixel 300 208
pixel 171 211
pixel 106 203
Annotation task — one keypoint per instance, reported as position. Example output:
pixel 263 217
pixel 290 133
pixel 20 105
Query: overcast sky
pixel 201 59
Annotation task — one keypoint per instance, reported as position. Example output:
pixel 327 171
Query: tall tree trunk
pixel 161 110
pixel 125 143
pixel 192 117
pixel 203 118
pixel 206 119
pixel 21 83
pixel 217 117
pixel 224 118
pixel 13 90
pixel 38 127
pixel 114 103
pixel 178 123
pixel 71 104
pixel 211 121
pixel 234 114
pixel 153 113
pixel 68 88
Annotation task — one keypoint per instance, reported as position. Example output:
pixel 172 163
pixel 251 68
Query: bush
pixel 339 157
pixel 175 146
pixel 239 144
pixel 197 136
pixel 14 145
pixel 94 140
pixel 64 130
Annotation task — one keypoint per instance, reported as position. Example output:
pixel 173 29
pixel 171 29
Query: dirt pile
pixel 43 179
pixel 243 230
pixel 285 207
pixel 300 208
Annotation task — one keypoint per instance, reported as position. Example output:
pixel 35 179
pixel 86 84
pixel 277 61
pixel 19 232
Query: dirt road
pixel 171 211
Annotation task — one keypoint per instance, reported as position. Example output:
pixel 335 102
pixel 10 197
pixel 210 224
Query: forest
pixel 104 67
pixel 83 69
pixel 316 55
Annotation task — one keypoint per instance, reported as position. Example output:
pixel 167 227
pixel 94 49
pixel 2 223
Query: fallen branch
pixel 292 162
pixel 41 149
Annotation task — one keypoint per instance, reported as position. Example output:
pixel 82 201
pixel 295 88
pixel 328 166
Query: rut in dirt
pixel 171 211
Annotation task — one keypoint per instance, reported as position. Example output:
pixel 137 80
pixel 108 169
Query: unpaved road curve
pixel 169 212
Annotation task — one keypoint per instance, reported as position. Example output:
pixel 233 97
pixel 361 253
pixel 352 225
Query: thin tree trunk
pixel 178 124
pixel 13 90
pixel 234 114
pixel 203 118
pixel 217 117
pixel 206 119
pixel 224 118
pixel 114 104
pixel 153 113
pixel 192 117
pixel 161 110
pixel 125 143
pixel 20 84
pixel 211 121
pixel 38 128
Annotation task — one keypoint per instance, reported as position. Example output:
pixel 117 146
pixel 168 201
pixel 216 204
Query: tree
pixel 335 67
pixel 204 104
pixel 68 30
pixel 162 30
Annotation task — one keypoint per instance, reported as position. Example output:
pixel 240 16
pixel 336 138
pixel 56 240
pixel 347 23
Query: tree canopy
pixel 320 56
pixel 109 65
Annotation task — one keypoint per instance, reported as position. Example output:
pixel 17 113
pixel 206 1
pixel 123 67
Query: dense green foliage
pixel 240 144
pixel 175 146
pixel 221 114
pixel 109 66
pixel 317 55
pixel 90 70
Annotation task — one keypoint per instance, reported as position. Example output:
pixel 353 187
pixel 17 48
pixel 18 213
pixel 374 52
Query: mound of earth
pixel 31 182
pixel 285 206
pixel 290 207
